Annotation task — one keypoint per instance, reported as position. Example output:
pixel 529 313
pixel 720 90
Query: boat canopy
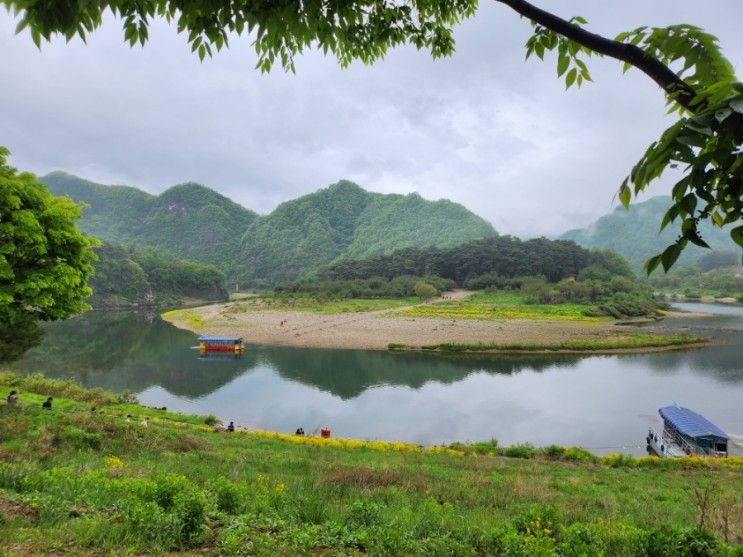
pixel 221 340
pixel 691 424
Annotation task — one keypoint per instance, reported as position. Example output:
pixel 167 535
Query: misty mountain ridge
pixel 194 222
pixel 635 233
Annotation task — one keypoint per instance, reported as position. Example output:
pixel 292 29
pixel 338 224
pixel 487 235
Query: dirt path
pixel 375 330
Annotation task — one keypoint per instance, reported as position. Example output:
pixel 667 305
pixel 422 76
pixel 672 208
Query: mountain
pixel 634 233
pixel 189 221
pixel 342 221
pixel 345 221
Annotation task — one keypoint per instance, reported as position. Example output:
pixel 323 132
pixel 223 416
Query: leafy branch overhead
pixel 685 62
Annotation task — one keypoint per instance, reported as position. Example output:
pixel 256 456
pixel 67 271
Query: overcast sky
pixel 483 128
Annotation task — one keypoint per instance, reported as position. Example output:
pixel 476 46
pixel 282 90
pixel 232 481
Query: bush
pixel 211 420
pixel 363 514
pixel 189 509
pixel 525 450
pixel 227 495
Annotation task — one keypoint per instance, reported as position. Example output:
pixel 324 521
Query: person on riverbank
pixel 47 404
pixel 13 397
pixel 231 427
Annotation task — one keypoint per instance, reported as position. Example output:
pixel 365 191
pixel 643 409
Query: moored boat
pixel 686 433
pixel 221 344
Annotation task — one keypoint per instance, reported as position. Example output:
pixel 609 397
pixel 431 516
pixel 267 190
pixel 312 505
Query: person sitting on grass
pixel 47 405
pixel 13 397
pixel 231 427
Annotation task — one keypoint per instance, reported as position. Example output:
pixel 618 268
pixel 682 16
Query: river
pixel 603 403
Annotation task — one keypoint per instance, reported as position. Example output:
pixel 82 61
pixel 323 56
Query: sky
pixel 483 128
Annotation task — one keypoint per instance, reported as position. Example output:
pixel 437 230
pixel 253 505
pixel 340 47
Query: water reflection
pixel 134 351
pixel 601 402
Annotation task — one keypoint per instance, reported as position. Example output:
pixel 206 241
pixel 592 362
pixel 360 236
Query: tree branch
pixel 672 84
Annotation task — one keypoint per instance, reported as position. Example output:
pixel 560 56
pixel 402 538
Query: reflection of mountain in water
pixel 722 361
pixel 348 373
pixel 133 351
pixel 128 351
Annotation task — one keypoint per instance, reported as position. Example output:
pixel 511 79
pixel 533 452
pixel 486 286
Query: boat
pixel 233 345
pixel 686 433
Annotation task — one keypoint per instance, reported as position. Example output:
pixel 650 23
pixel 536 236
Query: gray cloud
pixel 483 128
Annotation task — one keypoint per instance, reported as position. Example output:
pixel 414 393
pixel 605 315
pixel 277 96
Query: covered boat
pixel 221 344
pixel 686 433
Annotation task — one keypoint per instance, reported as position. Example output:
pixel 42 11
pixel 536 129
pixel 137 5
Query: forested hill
pixel 147 276
pixel 634 234
pixel 344 221
pixel 189 220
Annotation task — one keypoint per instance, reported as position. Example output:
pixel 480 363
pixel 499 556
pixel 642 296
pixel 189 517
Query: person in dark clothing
pixel 47 405
pixel 13 397
pixel 300 431
pixel 231 427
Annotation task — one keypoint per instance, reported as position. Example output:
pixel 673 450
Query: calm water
pixel 604 403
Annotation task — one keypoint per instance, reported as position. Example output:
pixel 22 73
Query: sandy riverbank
pixel 376 330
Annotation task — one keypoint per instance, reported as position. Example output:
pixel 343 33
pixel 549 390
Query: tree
pixel 45 261
pixel 424 290
pixel 683 60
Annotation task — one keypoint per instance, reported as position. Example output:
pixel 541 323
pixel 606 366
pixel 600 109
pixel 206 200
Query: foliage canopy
pixel 45 261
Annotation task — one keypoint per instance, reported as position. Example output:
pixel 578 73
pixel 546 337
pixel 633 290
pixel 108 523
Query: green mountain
pixel 634 233
pixel 342 221
pixel 189 221
pixel 345 221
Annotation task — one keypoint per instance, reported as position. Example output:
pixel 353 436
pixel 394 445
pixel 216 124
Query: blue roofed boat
pixel 221 344
pixel 686 433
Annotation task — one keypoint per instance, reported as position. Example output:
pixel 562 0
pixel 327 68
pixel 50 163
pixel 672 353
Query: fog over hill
pixel 634 233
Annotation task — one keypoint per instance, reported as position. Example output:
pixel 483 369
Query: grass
pixel 188 317
pixel 503 304
pixel 311 304
pixel 77 482
pixel 625 342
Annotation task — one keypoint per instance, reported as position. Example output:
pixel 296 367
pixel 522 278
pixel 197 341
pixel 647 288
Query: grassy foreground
pixel 84 482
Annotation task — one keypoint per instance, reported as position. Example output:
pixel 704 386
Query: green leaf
pixel 670 216
pixel 689 203
pixel 562 64
pixel 669 256
pixel 570 78
pixel 625 194
pixel 651 264
pixel 737 235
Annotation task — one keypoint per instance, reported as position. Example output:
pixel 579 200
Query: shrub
pixel 167 487
pixel 211 420
pixel 227 495
pixel 189 508
pixel 525 450
pixel 554 451
pixel 363 514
